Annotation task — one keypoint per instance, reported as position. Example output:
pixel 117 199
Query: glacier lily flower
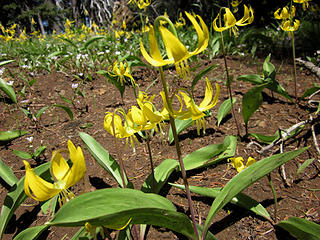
pixel 290 26
pixel 285 13
pixel 177 53
pixel 195 112
pixel 305 3
pixel 122 72
pixel 64 176
pixel 237 163
pixel 230 21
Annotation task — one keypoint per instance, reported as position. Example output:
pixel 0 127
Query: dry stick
pixel 314 137
pixel 282 168
pixel 178 149
pixel 229 85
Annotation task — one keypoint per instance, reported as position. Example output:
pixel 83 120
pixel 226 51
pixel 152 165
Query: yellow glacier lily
pixel 285 13
pixel 305 3
pixel 177 53
pixel 290 26
pixel 64 176
pixel 195 112
pixel 230 21
pixel 237 163
pixel 121 72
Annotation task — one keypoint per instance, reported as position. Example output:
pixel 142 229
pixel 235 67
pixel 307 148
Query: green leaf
pixel 80 235
pixel 31 233
pixel 304 165
pixel 224 109
pixel 180 126
pixel 251 101
pixel 16 196
pixel 264 138
pixel 205 156
pixel 240 199
pixel 27 113
pixel 251 78
pixel 65 108
pixel 92 40
pixel 309 92
pixel 103 157
pixel 161 175
pixel 8 90
pixel 276 87
pixel 114 207
pixel 202 73
pixel 38 115
pixel 6 62
pixel 49 205
pixel 247 177
pixel 6 136
pixel 300 228
pixel 22 154
pixel 7 174
pixel 269 71
pixel 39 150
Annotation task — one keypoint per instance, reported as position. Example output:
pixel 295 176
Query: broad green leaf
pixel 161 175
pixel 7 174
pixel 201 74
pixel 276 87
pixel 102 72
pixel 180 126
pixel 264 138
pixel 16 197
pixel 66 109
pixel 39 113
pixel 113 207
pixel 31 233
pixel 251 78
pixel 247 177
pixel 300 228
pixel 22 154
pixel 304 165
pixel 309 92
pixel 27 113
pixel 56 53
pixel 8 90
pixel 92 40
pixel 80 235
pixel 39 150
pixel 240 199
pixel 103 157
pixel 6 62
pixel 49 206
pixel 205 156
pixel 251 101
pixel 269 71
pixel 224 109
pixel 6 136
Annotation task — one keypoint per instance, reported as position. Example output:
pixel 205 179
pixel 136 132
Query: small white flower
pixel 1 71
pixel 10 82
pixel 75 85
pixel 100 53
pixel 117 53
pixel 107 51
pixel 29 139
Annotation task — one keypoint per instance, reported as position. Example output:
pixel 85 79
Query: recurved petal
pixel 78 168
pixel 173 45
pixel 247 17
pixel 250 161
pixel 202 32
pixel 59 168
pixel 36 187
pixel 237 163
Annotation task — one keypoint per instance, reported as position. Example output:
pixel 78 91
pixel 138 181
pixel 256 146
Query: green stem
pixel 274 197
pixel 151 162
pixel 294 68
pixel 178 149
pixel 229 84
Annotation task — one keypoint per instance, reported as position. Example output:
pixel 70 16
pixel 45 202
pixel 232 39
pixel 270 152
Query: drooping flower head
pixel 305 3
pixel 121 71
pixel 63 176
pixel 230 21
pixel 176 52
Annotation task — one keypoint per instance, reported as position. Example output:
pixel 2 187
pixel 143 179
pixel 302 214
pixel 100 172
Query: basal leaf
pixel 224 109
pixel 205 156
pixel 251 101
pixel 201 74
pixel 102 156
pixel 7 174
pixel 304 165
pixel 251 78
pixel 264 138
pixel 300 228
pixel 6 136
pixel 66 109
pixel 22 154
pixel 247 177
pixel 31 233
pixel 240 199
pixel 8 90
pixel 161 175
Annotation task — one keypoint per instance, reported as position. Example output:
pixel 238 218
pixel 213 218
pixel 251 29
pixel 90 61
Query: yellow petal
pixel 37 188
pixel 247 17
pixel 78 168
pixel 250 161
pixel 237 163
pixel 59 167
pixel 138 116
pixel 173 45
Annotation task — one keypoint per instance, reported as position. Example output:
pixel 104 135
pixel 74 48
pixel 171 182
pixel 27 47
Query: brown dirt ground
pixel 55 129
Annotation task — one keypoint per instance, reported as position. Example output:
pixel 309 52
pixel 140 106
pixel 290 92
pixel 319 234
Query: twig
pixel 282 168
pixel 314 137
pixel 309 65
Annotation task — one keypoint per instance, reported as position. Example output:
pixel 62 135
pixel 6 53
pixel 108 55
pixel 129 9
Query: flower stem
pixel 151 162
pixel 229 84
pixel 294 68
pixel 178 150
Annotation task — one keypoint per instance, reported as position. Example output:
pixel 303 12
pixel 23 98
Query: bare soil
pixel 55 128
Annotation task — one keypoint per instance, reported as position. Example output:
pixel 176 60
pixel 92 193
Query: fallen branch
pixel 309 65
